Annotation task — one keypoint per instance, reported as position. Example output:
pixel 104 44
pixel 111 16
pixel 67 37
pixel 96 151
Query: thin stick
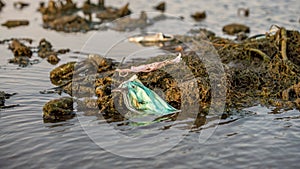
pixel 149 67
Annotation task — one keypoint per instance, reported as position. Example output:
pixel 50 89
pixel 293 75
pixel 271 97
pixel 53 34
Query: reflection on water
pixel 258 137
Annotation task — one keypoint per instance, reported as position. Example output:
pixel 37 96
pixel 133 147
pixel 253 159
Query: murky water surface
pixel 256 139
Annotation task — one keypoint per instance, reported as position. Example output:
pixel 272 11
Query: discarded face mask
pixel 141 100
pixel 154 38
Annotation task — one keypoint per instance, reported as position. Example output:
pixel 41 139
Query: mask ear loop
pixel 124 74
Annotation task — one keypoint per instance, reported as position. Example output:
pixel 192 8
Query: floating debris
pixel 15 23
pixel 235 28
pixel 158 37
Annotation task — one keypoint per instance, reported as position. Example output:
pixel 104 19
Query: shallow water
pixel 257 139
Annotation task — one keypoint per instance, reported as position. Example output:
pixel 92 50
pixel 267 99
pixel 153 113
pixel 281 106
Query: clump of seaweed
pixel 261 70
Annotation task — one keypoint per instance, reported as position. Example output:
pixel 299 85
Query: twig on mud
pixel 149 67
pixel 261 53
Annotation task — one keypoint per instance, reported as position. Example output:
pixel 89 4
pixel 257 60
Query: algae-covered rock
pixel 19 49
pixel 53 59
pixel 15 23
pixel 62 74
pixel 198 16
pixel 58 110
pixel 22 53
pixel 234 28
pixel 45 50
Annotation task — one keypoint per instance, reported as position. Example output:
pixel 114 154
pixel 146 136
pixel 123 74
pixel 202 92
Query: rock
pixel 21 52
pixel 15 23
pixel 58 110
pixel 19 49
pixel 44 45
pixel 62 74
pixel 235 28
pixel 53 59
pixel 198 16
pixel 161 7
pixel 45 50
